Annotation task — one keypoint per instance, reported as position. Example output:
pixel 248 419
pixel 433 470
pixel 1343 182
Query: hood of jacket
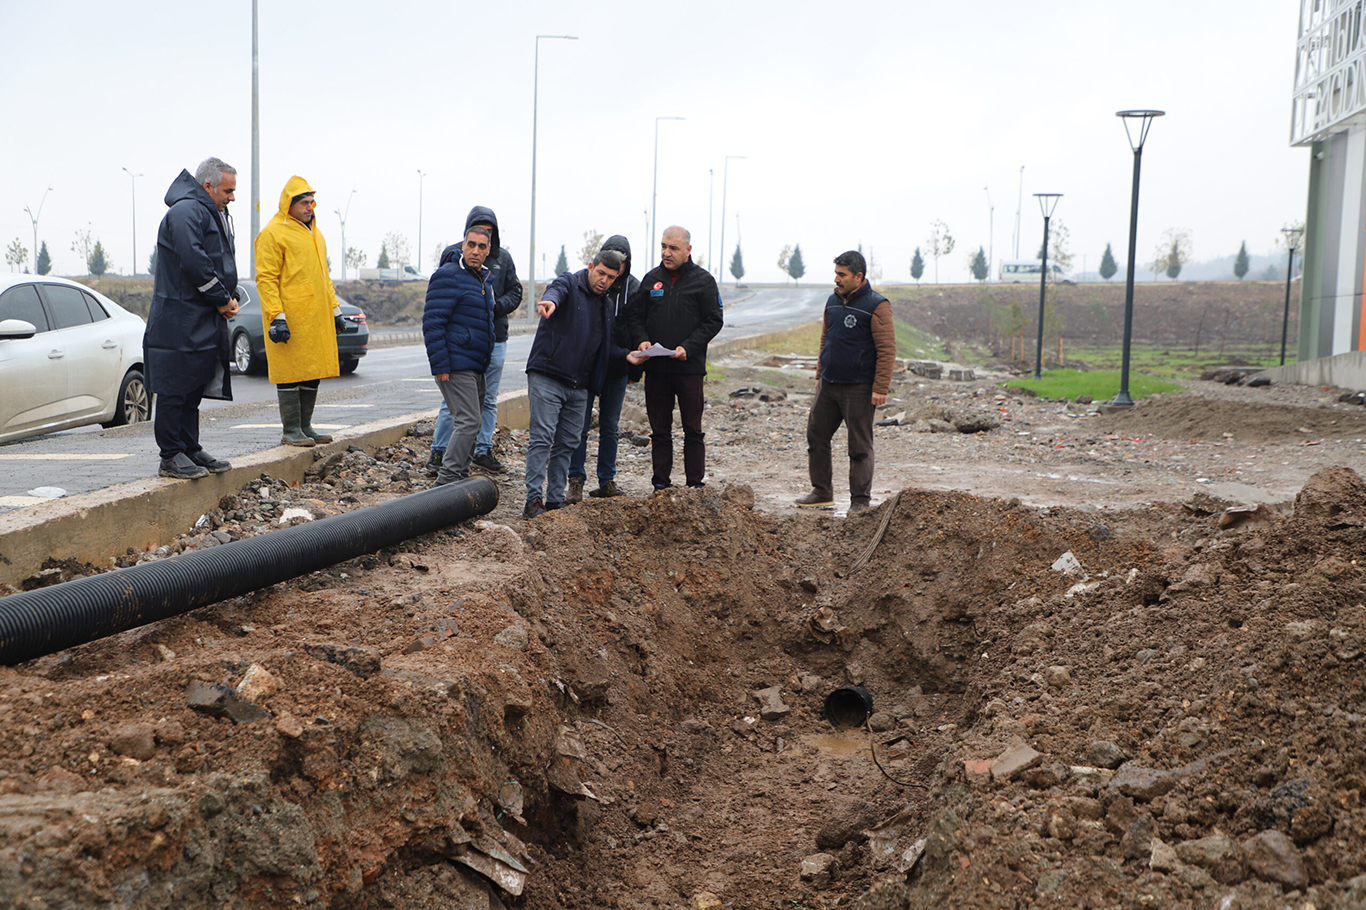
pixel 184 187
pixel 621 245
pixel 482 214
pixel 296 186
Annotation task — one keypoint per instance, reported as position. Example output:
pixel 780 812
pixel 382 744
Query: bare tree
pixel 940 243
pixel 396 245
pixel 16 255
pixel 1173 252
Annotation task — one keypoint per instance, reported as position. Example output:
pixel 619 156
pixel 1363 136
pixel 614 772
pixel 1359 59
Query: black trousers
pixel 176 422
pixel 661 389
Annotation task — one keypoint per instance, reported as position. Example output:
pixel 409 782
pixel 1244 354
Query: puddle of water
pixel 843 746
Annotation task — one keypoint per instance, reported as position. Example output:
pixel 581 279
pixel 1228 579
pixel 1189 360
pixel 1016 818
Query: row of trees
pixel 96 260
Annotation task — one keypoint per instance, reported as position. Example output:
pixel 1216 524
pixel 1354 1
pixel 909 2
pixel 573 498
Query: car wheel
pixel 134 403
pixel 241 353
pixel 349 364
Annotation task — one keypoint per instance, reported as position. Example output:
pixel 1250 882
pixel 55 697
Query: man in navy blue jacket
pixel 457 327
pixel 567 363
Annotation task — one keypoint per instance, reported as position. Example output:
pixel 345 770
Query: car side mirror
pixel 16 329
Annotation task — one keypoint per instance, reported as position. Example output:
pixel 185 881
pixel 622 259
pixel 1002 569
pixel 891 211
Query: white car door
pixel 32 370
pixel 92 350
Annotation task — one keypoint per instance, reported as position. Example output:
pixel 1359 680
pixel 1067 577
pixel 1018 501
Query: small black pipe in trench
pixel 53 619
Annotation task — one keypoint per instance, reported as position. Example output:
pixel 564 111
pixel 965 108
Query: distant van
pixel 1027 270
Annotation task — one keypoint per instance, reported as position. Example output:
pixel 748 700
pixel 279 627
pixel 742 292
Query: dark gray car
pixel 248 335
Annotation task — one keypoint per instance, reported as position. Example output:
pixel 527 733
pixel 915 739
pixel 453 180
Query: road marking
pixel 344 405
pixel 276 426
pixel 50 456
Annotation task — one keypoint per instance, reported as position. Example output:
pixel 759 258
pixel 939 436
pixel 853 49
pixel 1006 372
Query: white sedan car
pixel 68 357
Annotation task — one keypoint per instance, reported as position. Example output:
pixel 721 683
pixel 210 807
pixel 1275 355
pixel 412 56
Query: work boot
pixel 814 500
pixel 181 468
pixel 211 464
pixel 575 491
pixel 533 508
pixel 607 489
pixel 434 462
pixel 488 463
pixel 859 505
pixel 308 398
pixel 291 418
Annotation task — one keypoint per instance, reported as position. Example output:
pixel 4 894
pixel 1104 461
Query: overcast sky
pixel 860 122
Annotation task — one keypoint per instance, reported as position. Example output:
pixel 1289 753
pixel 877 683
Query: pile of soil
pixel 620 704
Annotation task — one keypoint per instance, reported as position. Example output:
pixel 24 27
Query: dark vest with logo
pixel 849 356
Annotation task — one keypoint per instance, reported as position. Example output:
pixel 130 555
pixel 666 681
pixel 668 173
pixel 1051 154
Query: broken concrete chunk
pixel 1015 759
pixel 1068 564
pixel 257 683
pixel 818 868
pixel 364 662
pixel 1143 784
pixel 771 704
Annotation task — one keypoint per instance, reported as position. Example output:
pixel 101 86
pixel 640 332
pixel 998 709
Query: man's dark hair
pixel 479 229
pixel 613 259
pixel 853 261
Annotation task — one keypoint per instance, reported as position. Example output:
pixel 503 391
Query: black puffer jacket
pixel 685 313
pixel 619 297
pixel 507 289
pixel 186 343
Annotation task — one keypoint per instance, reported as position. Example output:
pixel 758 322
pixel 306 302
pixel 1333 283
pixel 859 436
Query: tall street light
pixel 1019 204
pixel 535 100
pixel 725 176
pixel 135 219
pixel 255 136
pixel 34 218
pixel 1136 125
pixel 420 177
pixel 341 216
pixel 654 193
pixel 711 198
pixel 991 233
pixel 1047 203
pixel 1292 240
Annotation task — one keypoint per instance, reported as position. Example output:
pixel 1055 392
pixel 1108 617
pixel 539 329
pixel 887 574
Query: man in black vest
pixel 853 376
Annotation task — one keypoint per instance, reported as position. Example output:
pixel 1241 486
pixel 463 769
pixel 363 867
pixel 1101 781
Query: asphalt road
pixel 390 380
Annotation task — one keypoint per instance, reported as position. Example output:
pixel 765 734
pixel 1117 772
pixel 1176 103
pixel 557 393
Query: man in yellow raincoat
pixel 300 310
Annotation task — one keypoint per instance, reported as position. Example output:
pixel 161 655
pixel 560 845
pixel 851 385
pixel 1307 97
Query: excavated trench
pixel 619 705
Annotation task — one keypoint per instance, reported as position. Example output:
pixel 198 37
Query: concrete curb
pixel 144 514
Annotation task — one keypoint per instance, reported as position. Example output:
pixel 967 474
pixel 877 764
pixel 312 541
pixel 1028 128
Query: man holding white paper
pixel 676 312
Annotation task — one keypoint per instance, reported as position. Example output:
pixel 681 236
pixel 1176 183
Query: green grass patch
pixel 1101 385
pixel 1169 363
pixel 916 344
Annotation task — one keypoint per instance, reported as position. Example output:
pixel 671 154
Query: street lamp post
pixel 135 220
pixel 991 233
pixel 342 218
pixel 535 101
pixel 34 218
pixel 1019 204
pixel 711 198
pixel 725 177
pixel 1136 125
pixel 654 193
pixel 1292 240
pixel 1047 203
pixel 420 177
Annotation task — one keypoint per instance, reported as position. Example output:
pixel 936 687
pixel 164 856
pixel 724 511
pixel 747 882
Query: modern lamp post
pixel 535 101
pixel 420 177
pixel 725 176
pixel 1292 240
pixel 34 218
pixel 341 216
pixel 991 233
pixel 1136 125
pixel 135 220
pixel 1047 203
pixel 654 193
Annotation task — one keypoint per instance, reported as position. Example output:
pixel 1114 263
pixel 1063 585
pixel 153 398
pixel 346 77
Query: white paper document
pixel 658 350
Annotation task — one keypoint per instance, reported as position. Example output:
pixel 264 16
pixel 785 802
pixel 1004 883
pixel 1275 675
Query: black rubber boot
pixel 291 418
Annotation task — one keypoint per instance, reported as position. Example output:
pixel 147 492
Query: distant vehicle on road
pixel 69 357
pixel 248 335
pixel 1028 271
pixel 402 273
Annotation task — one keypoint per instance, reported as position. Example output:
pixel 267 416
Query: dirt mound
pixel 619 705
pixel 1193 418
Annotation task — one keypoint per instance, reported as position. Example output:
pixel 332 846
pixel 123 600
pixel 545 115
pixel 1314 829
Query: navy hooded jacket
pixel 186 343
pixel 507 288
pixel 575 343
pixel 457 321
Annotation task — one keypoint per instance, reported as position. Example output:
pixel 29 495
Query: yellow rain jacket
pixel 292 278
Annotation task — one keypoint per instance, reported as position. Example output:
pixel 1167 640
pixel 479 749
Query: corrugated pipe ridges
pixel 52 619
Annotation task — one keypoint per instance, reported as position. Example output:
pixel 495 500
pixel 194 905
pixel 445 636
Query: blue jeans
pixel 556 423
pixel 609 427
pixel 493 377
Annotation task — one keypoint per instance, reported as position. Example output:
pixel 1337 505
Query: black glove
pixel 339 322
pixel 279 331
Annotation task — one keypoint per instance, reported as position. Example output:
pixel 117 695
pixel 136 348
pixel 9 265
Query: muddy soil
pixel 620 703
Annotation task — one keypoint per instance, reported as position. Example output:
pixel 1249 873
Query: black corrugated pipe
pixel 52 619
